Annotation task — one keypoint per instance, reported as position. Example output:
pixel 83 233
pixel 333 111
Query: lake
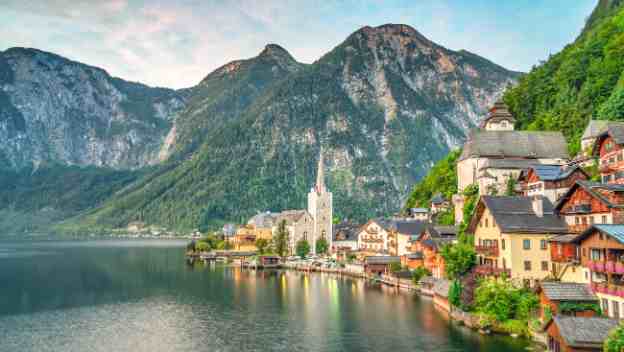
pixel 132 295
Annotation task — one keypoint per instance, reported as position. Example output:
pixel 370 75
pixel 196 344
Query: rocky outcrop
pixel 54 109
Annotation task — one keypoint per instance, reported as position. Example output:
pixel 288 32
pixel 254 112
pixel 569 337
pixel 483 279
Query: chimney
pixel 538 205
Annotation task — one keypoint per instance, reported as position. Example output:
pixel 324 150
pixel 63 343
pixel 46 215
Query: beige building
pixel 494 154
pixel 373 237
pixel 511 237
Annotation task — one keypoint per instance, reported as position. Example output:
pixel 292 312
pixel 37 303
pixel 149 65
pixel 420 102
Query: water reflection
pixel 142 296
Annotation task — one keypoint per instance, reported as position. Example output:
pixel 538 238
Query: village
pixel 529 220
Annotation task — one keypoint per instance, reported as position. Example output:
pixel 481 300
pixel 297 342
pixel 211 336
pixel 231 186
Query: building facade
pixel 320 207
pixel 550 181
pixel 587 203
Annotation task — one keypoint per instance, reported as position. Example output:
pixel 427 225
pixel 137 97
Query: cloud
pixel 176 44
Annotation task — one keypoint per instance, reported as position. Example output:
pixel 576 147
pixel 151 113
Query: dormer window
pixel 504 124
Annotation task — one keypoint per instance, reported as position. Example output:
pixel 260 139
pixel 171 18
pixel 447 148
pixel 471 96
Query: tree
pixel 322 246
pixel 615 340
pixel 280 240
pixel 202 246
pixel 418 274
pixel 262 245
pixel 302 248
pixel 511 186
pixel 459 258
pixel 395 267
pixel 454 293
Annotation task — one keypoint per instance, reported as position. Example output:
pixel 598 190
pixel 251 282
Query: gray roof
pixel 581 332
pixel 498 112
pixel 615 130
pixel 346 231
pixel 507 163
pixel 515 144
pixel 263 220
pixel 514 214
pixel 438 199
pixel 594 128
pixel 568 238
pixel 408 227
pixel 443 231
pixel 615 231
pixel 415 255
pixel 593 188
pixel 547 172
pixel 290 216
pixel 381 259
pixel 567 291
pixel 418 210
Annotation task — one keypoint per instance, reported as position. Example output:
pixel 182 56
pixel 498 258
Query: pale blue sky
pixel 176 43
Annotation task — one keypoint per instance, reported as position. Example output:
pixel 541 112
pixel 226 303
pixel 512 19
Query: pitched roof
pixel 594 128
pixel 442 230
pixel 582 332
pixel 594 189
pixel 381 259
pixel 549 172
pixel 506 163
pixel 567 238
pixel 290 216
pixel 437 199
pixel 346 231
pixel 615 231
pixel 515 144
pixel 418 210
pixel 405 227
pixel 567 291
pixel 515 214
pixel 614 130
pixel 497 113
pixel 415 255
pixel 263 220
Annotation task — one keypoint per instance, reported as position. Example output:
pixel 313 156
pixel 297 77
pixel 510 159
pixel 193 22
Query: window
pixel 605 306
pixel 503 244
pixel 486 222
pixel 591 220
pixel 616 308
pixel 505 265
pixel 544 266
pixel 526 244
pixel 584 253
pixel 577 220
pixel 600 236
pixel 604 219
pixel 584 220
pixel 527 265
pixel 543 244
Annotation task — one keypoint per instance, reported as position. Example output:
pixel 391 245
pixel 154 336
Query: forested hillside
pixel 585 80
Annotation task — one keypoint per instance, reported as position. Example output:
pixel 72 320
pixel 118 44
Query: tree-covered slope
pixel 583 81
pixel 385 105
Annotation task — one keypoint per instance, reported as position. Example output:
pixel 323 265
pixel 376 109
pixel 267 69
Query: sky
pixel 176 43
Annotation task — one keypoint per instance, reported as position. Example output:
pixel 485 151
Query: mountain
pixel 56 110
pixel 585 80
pixel 385 104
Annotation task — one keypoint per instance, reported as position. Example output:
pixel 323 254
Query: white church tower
pixel 320 206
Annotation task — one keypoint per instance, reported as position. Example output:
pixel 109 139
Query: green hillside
pixel 583 81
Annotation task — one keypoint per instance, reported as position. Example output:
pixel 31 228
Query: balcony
pixel 611 267
pixel 581 208
pixel 487 270
pixel 608 289
pixel 490 251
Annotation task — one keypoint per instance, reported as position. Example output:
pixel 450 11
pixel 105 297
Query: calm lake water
pixel 142 296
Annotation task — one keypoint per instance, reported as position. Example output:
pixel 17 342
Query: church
pixel 309 224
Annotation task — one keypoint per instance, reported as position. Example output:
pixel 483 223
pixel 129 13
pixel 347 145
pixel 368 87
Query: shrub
pixel 418 274
pixel 454 294
pixel 615 340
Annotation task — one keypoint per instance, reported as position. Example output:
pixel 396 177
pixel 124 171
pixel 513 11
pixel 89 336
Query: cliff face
pixel 385 104
pixel 54 109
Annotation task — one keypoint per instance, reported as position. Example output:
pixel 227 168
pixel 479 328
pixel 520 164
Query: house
pixel 373 237
pixel 413 260
pixel 401 233
pixel 439 204
pixel 511 236
pixel 496 153
pixel 565 258
pixel 379 265
pixel 345 237
pixel 550 181
pixel 572 334
pixel 420 214
pixel 553 294
pixel 429 243
pixel 594 129
pixel 602 253
pixel 587 203
pixel 609 149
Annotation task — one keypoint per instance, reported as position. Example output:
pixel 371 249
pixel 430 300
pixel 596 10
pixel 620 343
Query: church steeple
pixel 320 174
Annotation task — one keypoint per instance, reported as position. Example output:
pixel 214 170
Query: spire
pixel 320 175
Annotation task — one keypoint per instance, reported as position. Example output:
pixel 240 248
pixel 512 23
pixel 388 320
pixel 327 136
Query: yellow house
pixel 511 236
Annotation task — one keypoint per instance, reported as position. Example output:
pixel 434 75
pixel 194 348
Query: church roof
pixel 497 113
pixel 290 216
pixel 263 220
pixel 515 144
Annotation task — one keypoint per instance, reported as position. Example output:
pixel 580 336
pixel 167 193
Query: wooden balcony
pixel 487 270
pixel 611 267
pixel 608 289
pixel 563 258
pixel 489 251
